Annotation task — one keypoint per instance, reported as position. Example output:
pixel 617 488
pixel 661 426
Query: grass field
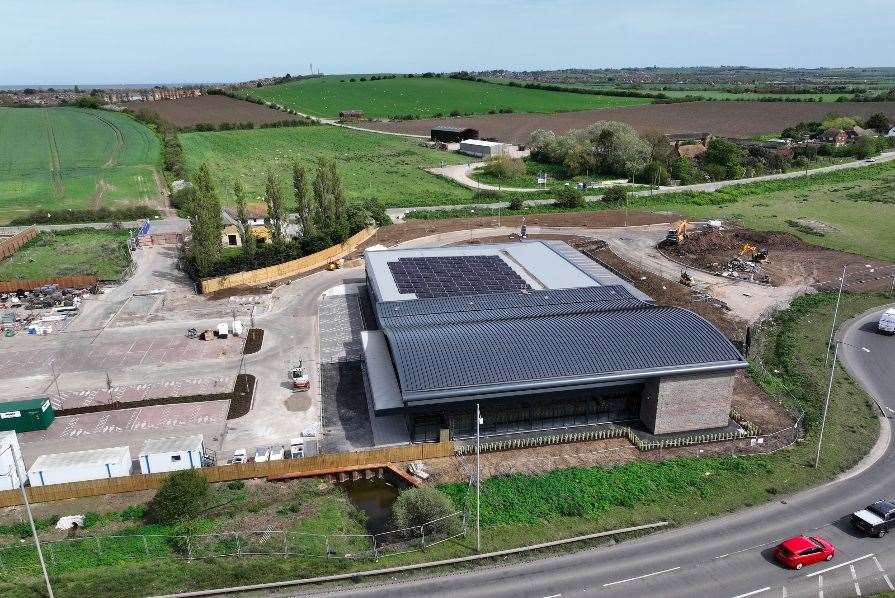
pixel 423 97
pixel 383 167
pixel 683 91
pixel 57 158
pixel 103 253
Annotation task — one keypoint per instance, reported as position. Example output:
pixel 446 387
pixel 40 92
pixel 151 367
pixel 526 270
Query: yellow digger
pixel 753 253
pixel 686 279
pixel 676 235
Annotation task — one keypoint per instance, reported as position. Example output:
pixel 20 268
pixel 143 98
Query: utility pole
pixel 823 422
pixel 478 481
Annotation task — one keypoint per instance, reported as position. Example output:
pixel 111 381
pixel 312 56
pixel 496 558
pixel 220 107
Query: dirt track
pixel 733 119
pixel 211 109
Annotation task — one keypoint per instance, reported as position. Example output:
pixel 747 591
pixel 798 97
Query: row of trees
pixel 605 147
pixel 323 215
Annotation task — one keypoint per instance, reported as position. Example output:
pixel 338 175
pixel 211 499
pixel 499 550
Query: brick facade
pixel 684 403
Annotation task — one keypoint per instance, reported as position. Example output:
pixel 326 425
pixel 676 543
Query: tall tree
pixel 340 206
pixel 245 231
pixel 304 202
pixel 273 195
pixel 206 222
pixel 323 217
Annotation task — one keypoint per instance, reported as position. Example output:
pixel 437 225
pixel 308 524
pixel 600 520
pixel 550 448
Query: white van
pixel 223 331
pixel 887 321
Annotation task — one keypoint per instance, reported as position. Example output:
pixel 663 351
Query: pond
pixel 375 498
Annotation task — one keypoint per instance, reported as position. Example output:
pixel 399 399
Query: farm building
pixel 230 236
pixel 483 149
pixel 10 454
pixel 97 464
pixel 452 134
pixel 542 337
pixel 26 415
pixel 171 454
pixel 351 114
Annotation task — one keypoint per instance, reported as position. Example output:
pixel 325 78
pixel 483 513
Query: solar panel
pixel 430 277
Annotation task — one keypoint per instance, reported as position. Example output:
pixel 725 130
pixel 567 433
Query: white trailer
pixel 483 149
pixel 171 454
pixel 10 455
pixel 97 464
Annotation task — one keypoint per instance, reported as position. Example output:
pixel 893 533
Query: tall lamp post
pixel 823 421
pixel 21 480
pixel 478 480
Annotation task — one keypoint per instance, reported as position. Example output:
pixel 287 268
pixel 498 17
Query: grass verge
pixel 76 252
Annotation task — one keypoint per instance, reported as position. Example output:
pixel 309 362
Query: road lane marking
pixel 784 592
pixel 726 554
pixel 878 566
pixel 860 558
pixel 753 592
pixel 613 583
pixel 553 596
pixel 820 586
pixel 889 582
pixel 854 577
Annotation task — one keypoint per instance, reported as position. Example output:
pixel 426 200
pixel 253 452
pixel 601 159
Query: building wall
pixel 159 462
pixel 685 403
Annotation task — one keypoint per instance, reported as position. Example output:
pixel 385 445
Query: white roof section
pixel 104 456
pixel 172 445
pixel 544 265
pixel 381 374
pixel 481 143
pixel 8 437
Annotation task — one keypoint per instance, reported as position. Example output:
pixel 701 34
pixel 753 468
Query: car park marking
pixel 613 583
pixel 854 577
pixel 889 582
pixel 855 560
pixel 754 592
pixel 820 586
pixel 878 566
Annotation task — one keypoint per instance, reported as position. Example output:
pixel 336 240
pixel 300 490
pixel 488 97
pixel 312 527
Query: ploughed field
pixel 422 97
pixel 210 109
pixel 383 167
pixel 58 158
pixel 732 119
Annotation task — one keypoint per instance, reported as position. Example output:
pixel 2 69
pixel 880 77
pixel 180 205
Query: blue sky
pixel 137 41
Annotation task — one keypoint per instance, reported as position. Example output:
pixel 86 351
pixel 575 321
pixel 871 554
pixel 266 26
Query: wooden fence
pixel 304 264
pixel 27 284
pixel 14 243
pixel 226 473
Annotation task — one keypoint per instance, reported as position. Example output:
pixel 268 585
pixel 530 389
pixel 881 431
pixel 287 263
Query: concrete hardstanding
pixel 691 402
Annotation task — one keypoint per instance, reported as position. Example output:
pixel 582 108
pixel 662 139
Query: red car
pixel 799 551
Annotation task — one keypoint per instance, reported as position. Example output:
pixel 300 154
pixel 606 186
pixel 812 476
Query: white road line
pixel 553 596
pixel 820 586
pixel 784 592
pixel 860 558
pixel 878 566
pixel 854 577
pixel 753 592
pixel 726 554
pixel 613 583
pixel 889 582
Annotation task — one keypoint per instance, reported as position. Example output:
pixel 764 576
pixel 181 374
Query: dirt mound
pixel 732 239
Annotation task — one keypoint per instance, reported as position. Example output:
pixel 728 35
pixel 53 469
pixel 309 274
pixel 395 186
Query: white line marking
pixel 612 583
pixel 854 577
pixel 860 558
pixel 553 596
pixel 889 582
pixel 878 566
pixel 820 586
pixel 721 556
pixel 753 592
pixel 784 592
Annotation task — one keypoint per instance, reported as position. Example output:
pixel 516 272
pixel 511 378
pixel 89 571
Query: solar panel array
pixel 429 277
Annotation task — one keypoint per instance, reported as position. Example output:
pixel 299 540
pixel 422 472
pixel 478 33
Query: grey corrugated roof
pixel 103 456
pixel 158 446
pixel 554 350
pixel 452 129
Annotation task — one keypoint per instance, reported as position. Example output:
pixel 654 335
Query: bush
pixel 421 506
pixel 134 513
pixel 516 203
pixel 569 197
pixel 615 194
pixel 504 167
pixel 180 498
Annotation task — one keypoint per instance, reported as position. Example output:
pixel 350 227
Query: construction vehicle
pixel 754 253
pixel 676 235
pixel 335 264
pixel 686 279
pixel 300 380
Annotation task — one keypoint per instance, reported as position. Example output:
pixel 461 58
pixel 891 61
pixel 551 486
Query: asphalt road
pixel 724 557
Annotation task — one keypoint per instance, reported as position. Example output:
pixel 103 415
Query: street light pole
pixel 835 316
pixel 478 481
pixel 823 422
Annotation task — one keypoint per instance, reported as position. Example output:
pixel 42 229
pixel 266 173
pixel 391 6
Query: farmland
pixel 210 109
pixel 734 119
pixel 383 167
pixel 60 158
pixel 103 253
pixel 423 97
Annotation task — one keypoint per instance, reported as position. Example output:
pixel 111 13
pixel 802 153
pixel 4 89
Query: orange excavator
pixel 754 253
pixel 676 235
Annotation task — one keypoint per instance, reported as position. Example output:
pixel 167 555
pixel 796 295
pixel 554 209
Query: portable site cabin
pixel 26 415
pixel 171 454
pixel 10 454
pixel 97 464
pixel 483 149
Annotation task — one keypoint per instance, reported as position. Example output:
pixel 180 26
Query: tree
pixel 205 221
pixel 504 167
pixel 684 171
pixel 725 154
pixel 838 122
pixel 655 173
pixel 661 150
pixel 304 203
pixel 331 221
pixel 425 506
pixel 181 497
pixel 879 122
pixel 569 197
pixel 245 231
pixel 615 194
pixel 273 195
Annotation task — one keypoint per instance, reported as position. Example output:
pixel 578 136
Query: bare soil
pixel 733 119
pixel 791 260
pixel 210 109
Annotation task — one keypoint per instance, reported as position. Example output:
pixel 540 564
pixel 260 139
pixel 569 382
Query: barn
pixel 483 149
pixel 452 134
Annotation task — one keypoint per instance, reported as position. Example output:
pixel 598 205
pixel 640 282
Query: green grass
pixel 103 253
pixel 60 158
pixel 683 91
pixel 423 97
pixel 383 167
pixel 556 176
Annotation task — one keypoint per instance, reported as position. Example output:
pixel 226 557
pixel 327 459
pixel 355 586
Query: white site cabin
pixel 171 454
pixel 97 464
pixel 9 455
